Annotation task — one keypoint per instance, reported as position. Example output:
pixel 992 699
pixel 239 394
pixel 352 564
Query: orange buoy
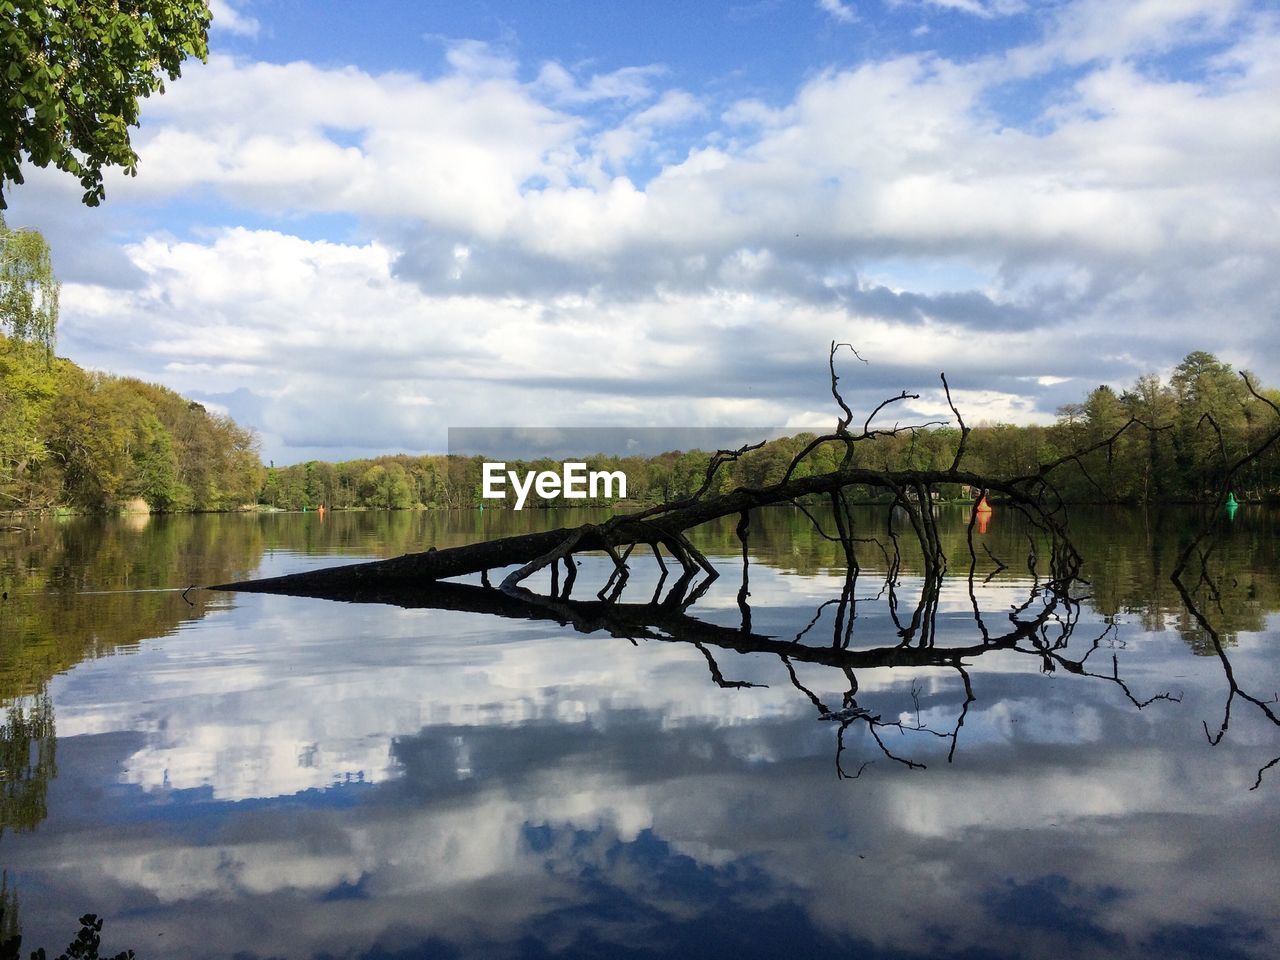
pixel 982 513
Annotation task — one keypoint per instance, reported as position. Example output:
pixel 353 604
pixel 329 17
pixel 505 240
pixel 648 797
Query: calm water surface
pixel 222 775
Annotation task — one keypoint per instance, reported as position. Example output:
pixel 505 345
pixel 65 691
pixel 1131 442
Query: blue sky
pixel 764 45
pixel 361 224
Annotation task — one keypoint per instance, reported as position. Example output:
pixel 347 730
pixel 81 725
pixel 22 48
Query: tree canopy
pixel 73 74
pixel 28 289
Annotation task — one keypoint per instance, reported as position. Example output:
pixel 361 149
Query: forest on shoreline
pixel 76 440
pixel 85 441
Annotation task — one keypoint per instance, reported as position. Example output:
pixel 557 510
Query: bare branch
pixel 964 430
pixel 842 425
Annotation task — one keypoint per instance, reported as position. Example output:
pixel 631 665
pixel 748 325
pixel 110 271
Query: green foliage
pixel 28 289
pixel 1155 471
pixel 1206 417
pixel 73 73
pixel 386 487
pixel 29 314
pixel 215 461
pixel 94 441
pixel 85 440
pixel 154 473
pixel 27 392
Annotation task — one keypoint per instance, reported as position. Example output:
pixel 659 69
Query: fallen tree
pixel 664 527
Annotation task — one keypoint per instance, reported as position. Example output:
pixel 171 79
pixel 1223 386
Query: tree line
pixel 92 441
pixel 1181 436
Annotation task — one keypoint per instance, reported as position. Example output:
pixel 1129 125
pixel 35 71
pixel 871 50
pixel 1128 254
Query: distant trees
pixel 386 487
pixel 1155 473
pixel 26 395
pixel 1203 418
pixel 73 75
pixel 1211 420
pixel 92 441
pixel 1204 412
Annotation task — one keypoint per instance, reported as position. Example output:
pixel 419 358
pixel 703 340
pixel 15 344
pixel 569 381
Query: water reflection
pixel 290 777
pixel 1041 625
pixel 1201 586
pixel 1042 622
pixel 28 761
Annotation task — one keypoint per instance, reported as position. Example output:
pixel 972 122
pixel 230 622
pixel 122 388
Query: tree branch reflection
pixel 1197 597
pixel 1042 626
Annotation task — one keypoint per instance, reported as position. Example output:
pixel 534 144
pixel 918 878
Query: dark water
pixel 255 776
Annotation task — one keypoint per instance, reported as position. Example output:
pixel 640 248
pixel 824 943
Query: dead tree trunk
pixel 661 528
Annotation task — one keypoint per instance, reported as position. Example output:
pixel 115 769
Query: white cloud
pixel 227 17
pixel 360 359
pixel 838 11
pixel 631 85
pixel 477 59
pixel 982 8
pixel 1088 30
pixel 636 134
pixel 897 152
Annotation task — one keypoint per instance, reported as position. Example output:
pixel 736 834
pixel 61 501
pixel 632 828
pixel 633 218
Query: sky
pixel 359 225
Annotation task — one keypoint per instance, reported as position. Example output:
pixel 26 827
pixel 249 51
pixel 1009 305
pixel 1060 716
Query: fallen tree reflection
pixel 1043 626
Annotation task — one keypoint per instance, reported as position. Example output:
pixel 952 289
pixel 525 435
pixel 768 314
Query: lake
pixel 244 775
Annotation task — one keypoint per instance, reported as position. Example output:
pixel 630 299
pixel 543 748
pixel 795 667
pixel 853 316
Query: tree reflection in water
pixel 85 946
pixel 28 761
